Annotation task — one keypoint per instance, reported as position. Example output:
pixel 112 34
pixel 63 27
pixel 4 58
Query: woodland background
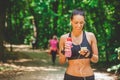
pixel 20 20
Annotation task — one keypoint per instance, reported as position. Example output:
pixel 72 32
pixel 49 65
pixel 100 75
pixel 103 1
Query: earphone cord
pixel 81 63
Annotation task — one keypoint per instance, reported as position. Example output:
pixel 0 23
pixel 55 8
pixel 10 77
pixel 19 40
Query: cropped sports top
pixel 76 48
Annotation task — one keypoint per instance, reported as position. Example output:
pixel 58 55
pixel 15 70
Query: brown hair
pixel 78 11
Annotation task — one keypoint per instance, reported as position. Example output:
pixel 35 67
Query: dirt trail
pixel 47 73
pixel 39 67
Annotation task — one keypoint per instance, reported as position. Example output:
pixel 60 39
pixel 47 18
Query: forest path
pixel 37 65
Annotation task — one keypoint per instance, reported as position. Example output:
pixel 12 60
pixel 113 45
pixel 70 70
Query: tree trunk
pixel 3 7
pixel 55 9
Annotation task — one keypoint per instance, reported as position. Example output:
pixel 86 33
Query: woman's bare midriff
pixel 79 67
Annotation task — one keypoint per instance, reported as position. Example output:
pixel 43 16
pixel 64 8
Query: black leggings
pixel 70 77
pixel 53 56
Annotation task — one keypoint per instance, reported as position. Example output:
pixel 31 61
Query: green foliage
pixel 113 57
pixel 118 52
pixel 115 68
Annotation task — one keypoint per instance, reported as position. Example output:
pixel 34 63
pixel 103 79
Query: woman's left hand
pixel 84 51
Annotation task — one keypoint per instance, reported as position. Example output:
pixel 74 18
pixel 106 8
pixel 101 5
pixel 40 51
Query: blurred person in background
pixel 53 46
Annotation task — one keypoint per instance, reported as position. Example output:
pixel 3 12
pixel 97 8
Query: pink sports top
pixel 53 44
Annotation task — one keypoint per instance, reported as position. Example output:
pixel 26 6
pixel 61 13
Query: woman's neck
pixel 76 33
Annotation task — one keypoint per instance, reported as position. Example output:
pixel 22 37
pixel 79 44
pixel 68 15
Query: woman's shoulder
pixel 89 33
pixel 91 36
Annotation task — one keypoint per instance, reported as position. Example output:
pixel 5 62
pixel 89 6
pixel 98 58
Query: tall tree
pixel 3 7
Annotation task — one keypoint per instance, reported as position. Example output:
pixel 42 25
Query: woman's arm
pixel 94 47
pixel 62 58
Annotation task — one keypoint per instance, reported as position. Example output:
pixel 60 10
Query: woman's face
pixel 77 22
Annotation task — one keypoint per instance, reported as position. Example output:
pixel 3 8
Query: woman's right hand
pixel 68 46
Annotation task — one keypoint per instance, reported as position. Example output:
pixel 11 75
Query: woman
pixel 84 49
pixel 53 43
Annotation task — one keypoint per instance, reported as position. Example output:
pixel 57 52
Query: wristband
pixel 91 55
